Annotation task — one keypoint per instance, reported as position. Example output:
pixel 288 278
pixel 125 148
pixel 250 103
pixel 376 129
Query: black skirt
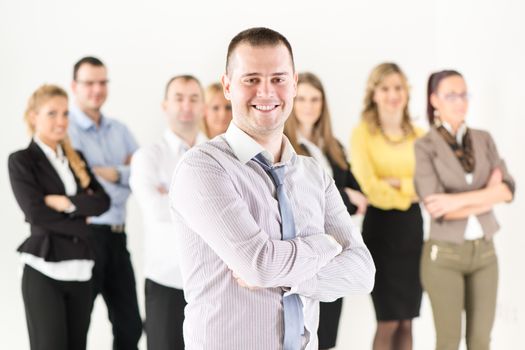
pixel 395 240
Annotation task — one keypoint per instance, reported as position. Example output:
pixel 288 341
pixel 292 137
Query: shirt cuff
pixel 307 287
pixel 123 172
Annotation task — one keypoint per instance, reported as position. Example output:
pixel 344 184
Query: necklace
pixel 391 141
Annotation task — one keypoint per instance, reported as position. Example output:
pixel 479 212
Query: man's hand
pixel 357 199
pixel 241 283
pixel 107 173
pixel 57 202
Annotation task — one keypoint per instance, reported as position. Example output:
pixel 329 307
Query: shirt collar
pixel 176 143
pixel 48 151
pixel 245 148
pixel 85 122
pixel 460 133
pixel 314 150
pixel 304 141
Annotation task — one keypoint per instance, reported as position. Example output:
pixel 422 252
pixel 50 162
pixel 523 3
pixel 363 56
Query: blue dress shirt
pixel 109 144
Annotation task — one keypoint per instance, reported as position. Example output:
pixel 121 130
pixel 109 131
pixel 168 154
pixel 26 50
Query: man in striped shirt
pixel 231 217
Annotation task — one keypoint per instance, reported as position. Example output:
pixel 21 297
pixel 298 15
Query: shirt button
pixel 75 239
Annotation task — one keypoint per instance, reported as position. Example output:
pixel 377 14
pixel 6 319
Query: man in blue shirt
pixel 107 146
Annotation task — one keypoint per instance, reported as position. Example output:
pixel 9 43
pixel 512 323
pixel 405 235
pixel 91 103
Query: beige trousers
pixel 461 278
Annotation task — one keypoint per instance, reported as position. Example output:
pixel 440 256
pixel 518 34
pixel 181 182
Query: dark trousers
pixel 329 315
pixel 113 277
pixel 57 312
pixel 164 316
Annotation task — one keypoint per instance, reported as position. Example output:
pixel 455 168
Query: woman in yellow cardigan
pixel 382 159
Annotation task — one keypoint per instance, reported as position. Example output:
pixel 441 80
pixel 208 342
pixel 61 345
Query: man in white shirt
pixel 264 233
pixel 151 171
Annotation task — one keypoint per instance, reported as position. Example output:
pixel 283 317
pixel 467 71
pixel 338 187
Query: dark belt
pixel 113 228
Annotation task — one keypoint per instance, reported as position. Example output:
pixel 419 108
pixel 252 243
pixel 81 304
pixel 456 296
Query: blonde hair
pixel 43 94
pixel 370 113
pixel 322 130
pixel 211 91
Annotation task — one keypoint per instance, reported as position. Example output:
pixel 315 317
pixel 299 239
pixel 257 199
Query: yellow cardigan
pixel 373 158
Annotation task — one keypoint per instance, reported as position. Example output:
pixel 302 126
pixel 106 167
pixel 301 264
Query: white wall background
pixel 143 44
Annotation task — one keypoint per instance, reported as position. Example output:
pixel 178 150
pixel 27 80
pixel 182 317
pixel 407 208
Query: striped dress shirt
pixel 225 210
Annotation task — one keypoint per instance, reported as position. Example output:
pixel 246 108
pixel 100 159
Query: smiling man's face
pixel 261 86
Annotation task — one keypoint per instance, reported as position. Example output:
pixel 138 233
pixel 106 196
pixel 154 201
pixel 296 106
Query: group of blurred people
pixel 73 180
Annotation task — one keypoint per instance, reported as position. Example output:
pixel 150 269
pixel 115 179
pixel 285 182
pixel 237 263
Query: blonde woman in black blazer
pixel 56 192
pixel 460 177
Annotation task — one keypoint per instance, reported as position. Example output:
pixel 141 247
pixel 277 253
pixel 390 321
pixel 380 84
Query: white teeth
pixel 264 108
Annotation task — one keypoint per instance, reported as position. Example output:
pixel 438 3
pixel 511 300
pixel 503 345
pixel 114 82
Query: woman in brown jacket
pixel 460 177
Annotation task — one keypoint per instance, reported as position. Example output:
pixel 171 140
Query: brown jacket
pixel 439 171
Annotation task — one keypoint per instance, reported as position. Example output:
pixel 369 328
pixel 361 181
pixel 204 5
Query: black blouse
pixel 343 177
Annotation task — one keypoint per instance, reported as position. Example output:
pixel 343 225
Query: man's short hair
pixel 86 60
pixel 185 78
pixel 258 37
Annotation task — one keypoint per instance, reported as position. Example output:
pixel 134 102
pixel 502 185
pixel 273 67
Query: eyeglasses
pixel 91 83
pixel 454 97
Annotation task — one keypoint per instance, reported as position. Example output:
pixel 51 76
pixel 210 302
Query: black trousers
pixel 329 315
pixel 164 316
pixel 113 277
pixel 57 312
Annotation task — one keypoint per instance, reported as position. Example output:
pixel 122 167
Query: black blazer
pixel 343 177
pixel 54 236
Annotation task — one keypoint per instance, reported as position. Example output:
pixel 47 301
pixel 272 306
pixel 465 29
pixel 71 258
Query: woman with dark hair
pixel 382 158
pixel 310 132
pixel 460 177
pixel 56 192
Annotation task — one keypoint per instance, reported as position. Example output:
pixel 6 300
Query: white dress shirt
pixel 151 171
pixel 473 229
pixel 227 216
pixel 67 270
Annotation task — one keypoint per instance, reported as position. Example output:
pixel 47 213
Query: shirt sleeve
pixel 426 179
pixel 144 182
pixel 204 198
pixel 497 162
pixel 350 272
pixel 407 186
pixel 131 148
